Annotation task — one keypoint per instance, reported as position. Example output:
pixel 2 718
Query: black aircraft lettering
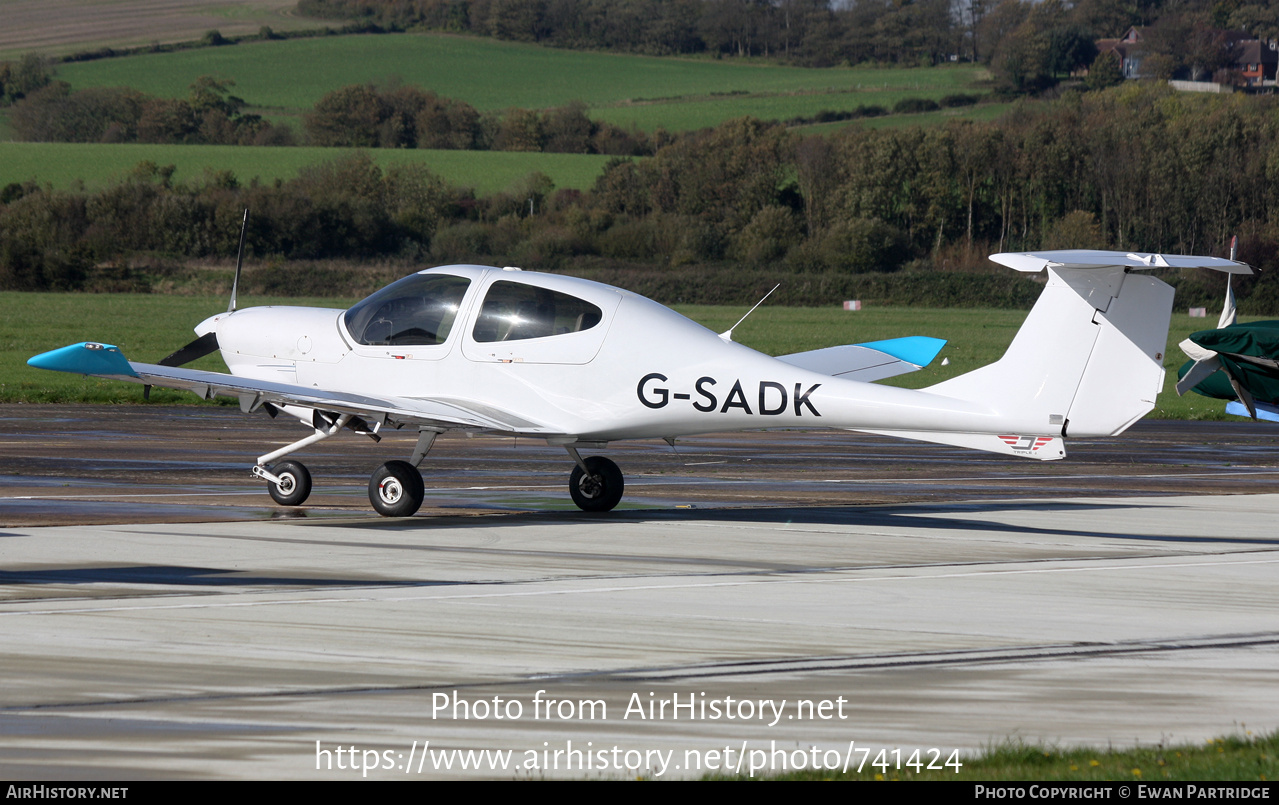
pixel 711 402
pixel 736 399
pixel 802 399
pixel 659 392
pixel 764 386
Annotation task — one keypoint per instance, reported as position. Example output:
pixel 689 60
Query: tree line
pixel 1029 44
pixel 358 116
pixel 209 115
pixel 364 116
pixel 1136 167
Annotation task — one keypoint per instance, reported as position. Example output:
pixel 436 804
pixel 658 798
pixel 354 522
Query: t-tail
pixel 1087 362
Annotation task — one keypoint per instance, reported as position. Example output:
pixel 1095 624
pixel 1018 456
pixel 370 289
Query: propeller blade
pixel 1201 370
pixel 204 345
pixel 208 343
pixel 1244 396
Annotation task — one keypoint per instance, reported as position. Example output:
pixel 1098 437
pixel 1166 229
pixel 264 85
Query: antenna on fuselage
pixel 727 335
pixel 1229 313
pixel 239 261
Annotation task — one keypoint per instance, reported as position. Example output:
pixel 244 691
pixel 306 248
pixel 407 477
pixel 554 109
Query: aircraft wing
pixel 1264 411
pixel 105 360
pixel 874 360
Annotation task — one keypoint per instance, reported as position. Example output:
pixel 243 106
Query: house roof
pixel 1256 52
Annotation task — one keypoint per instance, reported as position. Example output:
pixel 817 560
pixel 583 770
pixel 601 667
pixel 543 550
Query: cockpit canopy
pixel 421 310
pixel 513 311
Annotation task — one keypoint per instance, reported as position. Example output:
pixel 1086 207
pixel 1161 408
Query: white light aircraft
pixel 581 365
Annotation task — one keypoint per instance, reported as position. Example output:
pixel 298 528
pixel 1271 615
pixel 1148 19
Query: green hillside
pixel 285 78
pixel 282 80
pixel 61 164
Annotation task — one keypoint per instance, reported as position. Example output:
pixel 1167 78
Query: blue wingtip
pixel 85 358
pixel 917 349
pixel 1264 410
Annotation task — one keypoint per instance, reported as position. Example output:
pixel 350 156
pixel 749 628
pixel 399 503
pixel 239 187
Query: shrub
pixel 910 106
pixel 768 236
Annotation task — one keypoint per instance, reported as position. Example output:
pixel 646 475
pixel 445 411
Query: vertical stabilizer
pixel 1088 361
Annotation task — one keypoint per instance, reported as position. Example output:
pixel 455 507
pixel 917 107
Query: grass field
pixel 980 113
pixel 61 164
pixel 1236 758
pixel 695 112
pixel 148 327
pixel 285 78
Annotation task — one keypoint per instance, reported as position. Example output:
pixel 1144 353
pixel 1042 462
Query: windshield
pixel 415 311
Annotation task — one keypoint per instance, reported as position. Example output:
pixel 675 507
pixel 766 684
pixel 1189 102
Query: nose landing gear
pixel 293 486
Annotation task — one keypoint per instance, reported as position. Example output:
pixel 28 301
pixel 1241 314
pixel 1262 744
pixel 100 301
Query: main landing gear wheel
pixel 601 490
pixel 294 486
pixel 396 489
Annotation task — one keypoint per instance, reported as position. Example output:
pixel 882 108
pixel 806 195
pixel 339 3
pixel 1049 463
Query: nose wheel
pixel 293 486
pixel 600 488
pixel 396 489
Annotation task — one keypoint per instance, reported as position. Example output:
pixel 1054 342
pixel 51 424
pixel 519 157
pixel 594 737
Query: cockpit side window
pixel 415 311
pixel 513 311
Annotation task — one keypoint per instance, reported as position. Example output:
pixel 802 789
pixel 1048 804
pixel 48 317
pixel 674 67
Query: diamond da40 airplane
pixel 581 364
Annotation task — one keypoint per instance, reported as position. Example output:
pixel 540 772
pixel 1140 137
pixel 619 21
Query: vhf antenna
pixel 727 335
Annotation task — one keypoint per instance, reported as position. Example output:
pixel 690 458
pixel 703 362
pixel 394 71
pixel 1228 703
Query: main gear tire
pixel 396 489
pixel 601 489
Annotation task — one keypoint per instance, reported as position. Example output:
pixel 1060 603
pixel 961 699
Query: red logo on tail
pixel 1026 444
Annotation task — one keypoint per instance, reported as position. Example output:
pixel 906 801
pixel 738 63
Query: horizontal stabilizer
pixel 871 361
pixel 1043 448
pixel 1032 262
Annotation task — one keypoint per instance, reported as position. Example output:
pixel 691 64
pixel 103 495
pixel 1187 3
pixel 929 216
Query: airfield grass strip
pixel 1239 758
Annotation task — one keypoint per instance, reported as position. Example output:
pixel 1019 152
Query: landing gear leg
pixel 396 489
pixel 596 483
pixel 425 439
pixel 289 482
